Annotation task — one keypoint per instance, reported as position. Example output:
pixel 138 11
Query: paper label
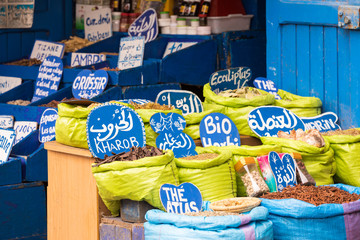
pixel 98 24
pixel 131 52
pixel 85 59
pixel 176 46
pixel 23 128
pixel 16 14
pixel 8 83
pixel 43 49
pixel 7 138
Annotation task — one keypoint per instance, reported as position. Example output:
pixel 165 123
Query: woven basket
pixel 236 205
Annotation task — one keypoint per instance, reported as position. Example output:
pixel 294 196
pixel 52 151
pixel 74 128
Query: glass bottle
pixel 194 8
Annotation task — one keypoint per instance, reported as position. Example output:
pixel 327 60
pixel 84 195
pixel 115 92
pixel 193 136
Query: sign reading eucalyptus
pixel 229 79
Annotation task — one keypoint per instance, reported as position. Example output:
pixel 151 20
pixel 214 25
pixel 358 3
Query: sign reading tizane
pixel 98 24
pixel 88 85
pixel 324 122
pixel 266 85
pixel 8 83
pixel 6 121
pixel 181 199
pixel 267 121
pixel 47 125
pixel 48 79
pixel 145 25
pixel 114 128
pixel 131 52
pixel 284 170
pixel 186 101
pixel 7 138
pixel 85 59
pixel 232 78
pixel 176 46
pixel 23 128
pixel 43 49
pixel 216 129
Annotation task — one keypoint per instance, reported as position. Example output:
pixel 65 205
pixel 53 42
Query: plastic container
pixel 132 18
pixel 232 22
pixel 191 30
pixel 116 25
pixel 181 30
pixel 165 30
pixel 195 22
pixel 173 18
pixel 116 16
pixel 164 15
pixel 164 22
pixel 124 22
pixel 181 22
pixel 173 28
pixel 204 30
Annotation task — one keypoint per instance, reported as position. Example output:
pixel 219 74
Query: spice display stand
pixel 74 207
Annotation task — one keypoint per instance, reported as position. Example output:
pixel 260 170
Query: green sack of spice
pixel 301 106
pixel 212 171
pixel 346 146
pixel 237 108
pixel 319 161
pixel 138 180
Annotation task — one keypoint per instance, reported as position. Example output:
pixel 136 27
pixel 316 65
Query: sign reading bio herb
pixel 114 128
pixel 47 125
pixel 6 121
pixel 171 137
pixel 324 122
pixel 181 199
pixel 145 25
pixel 216 129
pixel 85 59
pixel 227 79
pixel 88 85
pixel 7 138
pixel 267 121
pixel 284 170
pixel 8 83
pixel 266 85
pixel 97 24
pixel 131 52
pixel 23 128
pixel 48 79
pixel 176 46
pixel 43 49
pixel 186 101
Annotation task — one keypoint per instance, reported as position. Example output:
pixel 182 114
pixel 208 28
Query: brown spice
pixel 244 92
pixel 75 43
pixel 210 214
pixel 203 156
pixel 152 105
pixel 19 102
pixel 109 53
pixel 54 103
pixel 351 132
pixel 314 195
pixel 25 62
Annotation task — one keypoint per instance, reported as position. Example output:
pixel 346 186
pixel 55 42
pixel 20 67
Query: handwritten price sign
pixel 131 52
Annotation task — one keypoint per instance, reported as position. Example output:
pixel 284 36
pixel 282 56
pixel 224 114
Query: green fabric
pixel 319 162
pixel 301 106
pixel 138 180
pixel 237 109
pixel 215 178
pixel 347 158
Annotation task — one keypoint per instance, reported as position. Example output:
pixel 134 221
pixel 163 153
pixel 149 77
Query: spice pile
pixel 210 214
pixel 312 137
pixel 25 62
pixel 203 156
pixel 54 103
pixel 108 69
pixel 151 105
pixel 19 102
pixel 75 43
pixel 314 195
pixel 351 132
pixel 244 92
pixel 135 153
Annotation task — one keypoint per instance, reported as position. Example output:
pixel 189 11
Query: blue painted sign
pixel 47 125
pixel 43 49
pixel 135 100
pixel 171 138
pixel 324 122
pixel 85 59
pixel 229 79
pixel 145 25
pixel 114 128
pixel 267 121
pixel 284 170
pixel 131 52
pixel 48 79
pixel 216 129
pixel 7 139
pixel 186 101
pixel 266 85
pixel 88 85
pixel 181 199
pixel 6 121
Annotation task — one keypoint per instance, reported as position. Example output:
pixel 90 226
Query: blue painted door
pixel 310 55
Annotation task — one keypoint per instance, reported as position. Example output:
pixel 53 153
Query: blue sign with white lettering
pixel 171 137
pixel 7 139
pixel 216 129
pixel 324 122
pixel 48 79
pixel 266 85
pixel 145 25
pixel 88 85
pixel 47 125
pixel 284 170
pixel 114 128
pixel 181 199
pixel 229 79
pixel 267 121
pixel 186 101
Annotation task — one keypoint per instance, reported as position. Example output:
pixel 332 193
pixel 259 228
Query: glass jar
pixel 124 22
pixel 132 18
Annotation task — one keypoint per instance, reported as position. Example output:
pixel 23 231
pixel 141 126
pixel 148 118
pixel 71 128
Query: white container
pixel 181 22
pixel 173 28
pixel 191 30
pixel 173 18
pixel 164 15
pixel 232 22
pixel 115 25
pixel 164 22
pixel 181 30
pixel 165 30
pixel 115 16
pixel 204 30
pixel 195 23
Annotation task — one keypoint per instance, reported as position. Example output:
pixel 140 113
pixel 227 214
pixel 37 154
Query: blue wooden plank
pixel 14 47
pixel 24 91
pixel 4 52
pixel 23 72
pixel 27 43
pixel 114 93
pixel 317 62
pixel 302 60
pixel 22 113
pixel 10 172
pixel 65 92
pixel 36 166
pixel 330 102
pixel 288 53
pixel 354 78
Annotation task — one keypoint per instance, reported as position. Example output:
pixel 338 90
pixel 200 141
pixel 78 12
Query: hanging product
pixel 194 10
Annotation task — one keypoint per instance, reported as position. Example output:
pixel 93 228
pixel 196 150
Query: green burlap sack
pixel 319 162
pixel 347 157
pixel 237 109
pixel 301 106
pixel 138 180
pixel 215 178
